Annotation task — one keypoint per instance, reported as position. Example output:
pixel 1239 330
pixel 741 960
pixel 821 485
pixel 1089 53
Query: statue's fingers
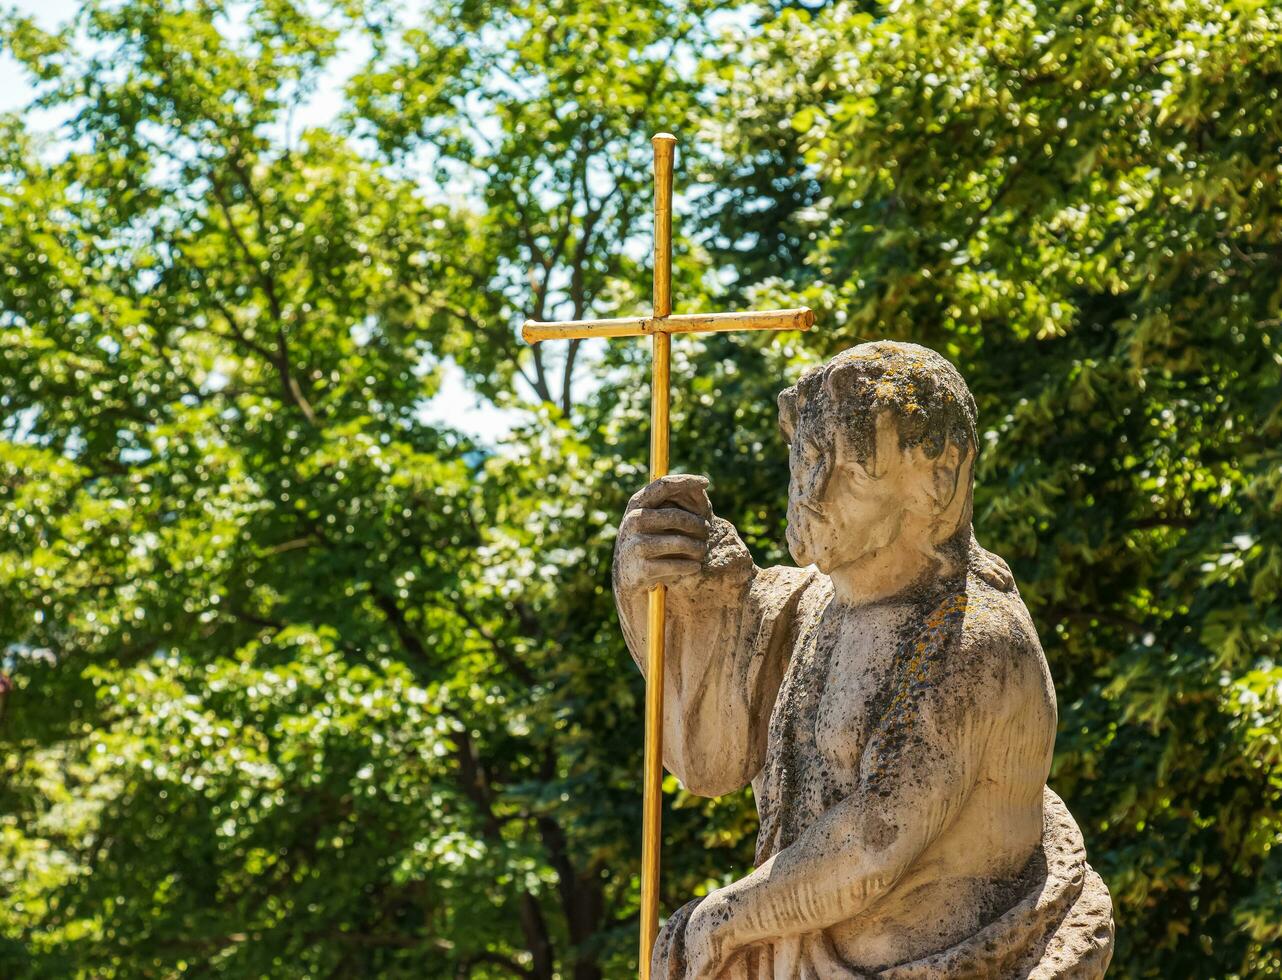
pixel 654 520
pixel 669 570
pixel 684 490
pixel 670 546
pixel 673 519
pixel 665 961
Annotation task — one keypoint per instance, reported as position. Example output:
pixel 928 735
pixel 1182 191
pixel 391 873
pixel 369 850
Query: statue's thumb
pixel 683 490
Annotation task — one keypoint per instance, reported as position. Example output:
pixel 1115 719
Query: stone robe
pixel 744 691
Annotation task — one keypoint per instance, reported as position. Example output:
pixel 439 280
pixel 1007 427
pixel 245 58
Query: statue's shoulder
pixel 998 637
pixel 1000 668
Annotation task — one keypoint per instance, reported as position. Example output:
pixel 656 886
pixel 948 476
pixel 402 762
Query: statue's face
pixel 840 510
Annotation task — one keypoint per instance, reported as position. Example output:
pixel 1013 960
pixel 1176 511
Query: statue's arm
pixel 915 776
pixel 726 628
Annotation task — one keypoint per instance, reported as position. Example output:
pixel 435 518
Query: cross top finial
pixel 662 321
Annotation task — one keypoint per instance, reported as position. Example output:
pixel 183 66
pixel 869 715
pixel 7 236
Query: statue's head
pixel 881 450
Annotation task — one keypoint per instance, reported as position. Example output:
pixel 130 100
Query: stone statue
pixel 888 700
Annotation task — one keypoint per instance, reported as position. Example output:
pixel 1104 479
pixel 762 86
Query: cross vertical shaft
pixel 652 811
pixel 660 326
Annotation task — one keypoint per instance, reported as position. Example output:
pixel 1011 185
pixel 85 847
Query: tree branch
pixel 395 617
pixel 476 785
pixel 510 660
pixel 467 964
pixel 281 361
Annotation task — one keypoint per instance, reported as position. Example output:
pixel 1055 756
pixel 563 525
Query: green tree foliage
pixel 308 684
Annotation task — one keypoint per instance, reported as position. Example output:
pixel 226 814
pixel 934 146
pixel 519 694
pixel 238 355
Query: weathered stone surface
pixel 888 701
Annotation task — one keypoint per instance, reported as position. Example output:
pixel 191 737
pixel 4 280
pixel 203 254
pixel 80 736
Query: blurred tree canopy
pixel 309 684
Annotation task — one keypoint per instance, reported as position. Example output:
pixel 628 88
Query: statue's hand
pixel 707 936
pixel 664 534
pixel 669 959
pixel 690 946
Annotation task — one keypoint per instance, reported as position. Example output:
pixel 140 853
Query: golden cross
pixel 660 326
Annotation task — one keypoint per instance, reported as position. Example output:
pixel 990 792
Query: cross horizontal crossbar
pixel 644 326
